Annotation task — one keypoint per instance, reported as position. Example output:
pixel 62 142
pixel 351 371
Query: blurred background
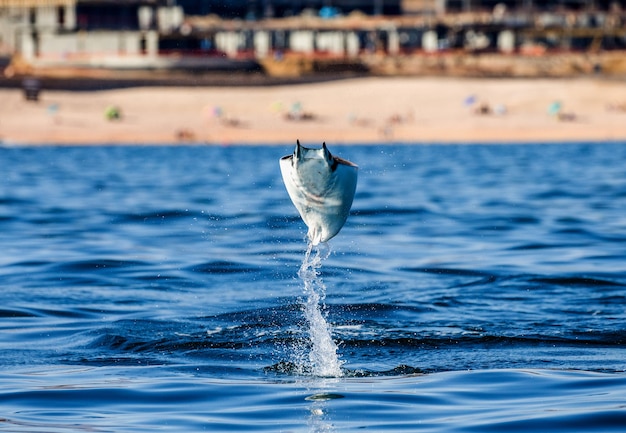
pixel 85 45
pixel 54 39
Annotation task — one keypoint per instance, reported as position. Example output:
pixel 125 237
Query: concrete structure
pixel 87 32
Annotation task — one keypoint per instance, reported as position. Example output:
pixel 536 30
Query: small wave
pixel 14 201
pixel 224 267
pixel 533 246
pixel 15 313
pixel 602 339
pixel 290 368
pixel 449 271
pixel 389 212
pixel 558 193
pixel 577 281
pixel 99 265
pixel 157 216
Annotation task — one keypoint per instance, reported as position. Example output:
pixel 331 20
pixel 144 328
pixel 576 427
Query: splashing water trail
pixel 323 355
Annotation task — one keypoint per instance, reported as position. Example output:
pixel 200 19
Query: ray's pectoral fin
pixel 322 187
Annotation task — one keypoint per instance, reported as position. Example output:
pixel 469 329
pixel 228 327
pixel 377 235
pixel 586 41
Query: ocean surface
pixel 474 288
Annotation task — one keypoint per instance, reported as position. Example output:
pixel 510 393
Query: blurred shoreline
pixel 350 110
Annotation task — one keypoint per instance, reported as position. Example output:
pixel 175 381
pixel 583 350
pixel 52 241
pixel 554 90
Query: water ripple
pixel 473 288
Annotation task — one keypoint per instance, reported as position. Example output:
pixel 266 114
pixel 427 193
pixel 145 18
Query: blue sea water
pixel 474 288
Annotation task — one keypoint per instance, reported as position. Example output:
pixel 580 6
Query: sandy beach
pixel 364 110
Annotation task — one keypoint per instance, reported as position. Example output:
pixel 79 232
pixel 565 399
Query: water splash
pixel 323 357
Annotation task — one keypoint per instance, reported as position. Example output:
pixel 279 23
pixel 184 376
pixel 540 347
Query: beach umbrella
pixel 112 113
pixel 53 109
pixel 500 109
pixel 277 106
pixel 469 101
pixel 327 12
pixel 554 108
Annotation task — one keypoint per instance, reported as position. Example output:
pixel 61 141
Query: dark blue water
pixel 473 289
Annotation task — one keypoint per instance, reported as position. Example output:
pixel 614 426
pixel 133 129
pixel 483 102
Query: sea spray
pixel 323 357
